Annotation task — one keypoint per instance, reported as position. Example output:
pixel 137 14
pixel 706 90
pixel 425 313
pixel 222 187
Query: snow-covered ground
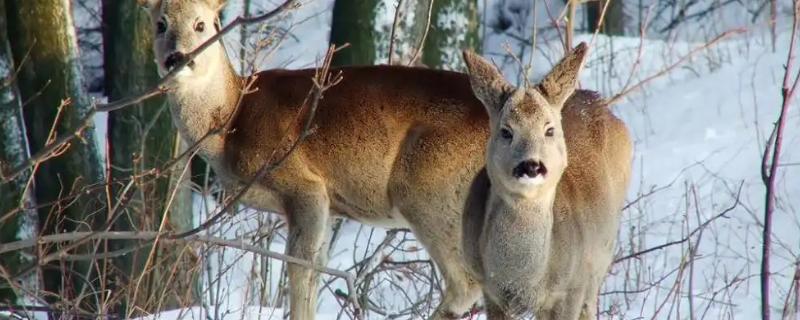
pixel 699 135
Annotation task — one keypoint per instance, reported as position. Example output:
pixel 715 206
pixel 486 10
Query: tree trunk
pixel 412 16
pixel 354 23
pixel 454 27
pixel 142 138
pixel 16 222
pixel 614 20
pixel 43 37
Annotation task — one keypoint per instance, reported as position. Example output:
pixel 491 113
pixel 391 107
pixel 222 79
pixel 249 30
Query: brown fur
pixel 392 146
pixel 553 249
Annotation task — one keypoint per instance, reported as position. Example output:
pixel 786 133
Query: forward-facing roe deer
pixel 392 146
pixel 538 233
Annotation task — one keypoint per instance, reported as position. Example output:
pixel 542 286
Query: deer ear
pixel 560 83
pixel 217 4
pixel 487 83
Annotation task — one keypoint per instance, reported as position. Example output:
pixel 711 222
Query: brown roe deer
pixel 538 233
pixel 392 146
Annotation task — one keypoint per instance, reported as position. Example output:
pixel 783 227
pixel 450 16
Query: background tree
pixel 354 23
pixel 142 139
pixel 455 26
pixel 45 49
pixel 614 19
pixel 16 221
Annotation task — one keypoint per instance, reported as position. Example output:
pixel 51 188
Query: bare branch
pixel 681 60
pixel 157 89
pixel 689 236
pixel 787 91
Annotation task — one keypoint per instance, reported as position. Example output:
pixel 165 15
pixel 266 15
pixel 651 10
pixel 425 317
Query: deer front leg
pixel 308 216
pixel 495 311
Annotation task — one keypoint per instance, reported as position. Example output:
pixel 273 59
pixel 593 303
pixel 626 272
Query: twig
pixel 322 81
pixel 152 235
pixel 424 35
pixel 25 310
pixel 157 89
pixel 600 21
pixel 394 28
pixel 628 90
pixel 690 235
pixel 787 92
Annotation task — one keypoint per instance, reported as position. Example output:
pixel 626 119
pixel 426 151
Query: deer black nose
pixel 529 168
pixel 173 60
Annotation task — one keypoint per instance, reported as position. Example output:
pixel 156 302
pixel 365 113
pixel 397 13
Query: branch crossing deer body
pixel 538 233
pixel 392 146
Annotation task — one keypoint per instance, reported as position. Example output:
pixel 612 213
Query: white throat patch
pixel 531 181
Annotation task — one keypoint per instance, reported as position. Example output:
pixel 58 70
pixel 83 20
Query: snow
pixel 251 312
pixel 709 129
pixel 701 128
pixel 699 134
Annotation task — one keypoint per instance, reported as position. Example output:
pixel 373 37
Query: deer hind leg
pixel 308 216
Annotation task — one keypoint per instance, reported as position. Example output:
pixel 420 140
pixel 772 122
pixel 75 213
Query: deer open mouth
pixel 175 60
pixel 530 173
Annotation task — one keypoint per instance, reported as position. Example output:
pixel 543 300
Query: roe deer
pixel 539 234
pixel 392 146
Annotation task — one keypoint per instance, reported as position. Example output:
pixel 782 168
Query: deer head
pixel 180 26
pixel 526 148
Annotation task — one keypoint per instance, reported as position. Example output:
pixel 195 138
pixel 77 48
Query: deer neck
pixel 540 199
pixel 537 206
pixel 531 215
pixel 201 106
pixel 517 242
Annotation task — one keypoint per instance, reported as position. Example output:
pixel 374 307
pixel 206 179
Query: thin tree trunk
pixel 142 138
pixel 16 222
pixel 418 29
pixel 771 162
pixel 570 27
pixel 454 27
pixel 354 23
pixel 244 32
pixel 43 36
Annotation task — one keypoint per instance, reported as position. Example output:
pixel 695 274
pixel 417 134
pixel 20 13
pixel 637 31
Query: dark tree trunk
pixel 42 36
pixel 17 222
pixel 614 19
pixel 354 23
pixel 142 139
pixel 454 27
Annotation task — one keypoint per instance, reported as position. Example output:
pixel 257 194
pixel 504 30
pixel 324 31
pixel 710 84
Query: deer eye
pixel 550 132
pixel 161 26
pixel 200 26
pixel 506 134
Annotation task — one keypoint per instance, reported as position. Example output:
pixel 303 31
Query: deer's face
pixel 180 26
pixel 526 149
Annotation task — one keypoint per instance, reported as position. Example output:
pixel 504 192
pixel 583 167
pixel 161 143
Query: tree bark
pixel 613 21
pixel 454 27
pixel 17 222
pixel 354 23
pixel 142 138
pixel 413 19
pixel 42 36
